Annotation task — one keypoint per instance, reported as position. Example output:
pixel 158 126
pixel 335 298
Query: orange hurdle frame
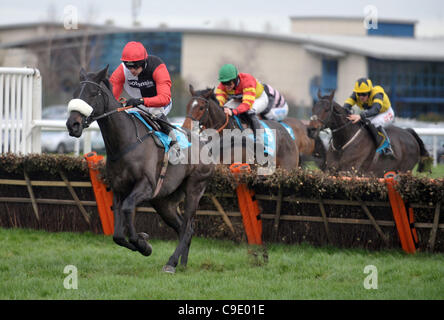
pixel 249 207
pixel 104 198
pixel 406 230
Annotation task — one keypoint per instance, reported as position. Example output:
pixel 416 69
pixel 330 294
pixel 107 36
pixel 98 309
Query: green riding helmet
pixel 227 73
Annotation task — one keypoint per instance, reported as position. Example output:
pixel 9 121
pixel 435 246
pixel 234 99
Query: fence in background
pixel 20 106
pixel 21 115
pixel 434 133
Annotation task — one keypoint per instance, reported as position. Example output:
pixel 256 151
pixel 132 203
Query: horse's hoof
pixel 169 269
pixel 144 236
pixel 148 250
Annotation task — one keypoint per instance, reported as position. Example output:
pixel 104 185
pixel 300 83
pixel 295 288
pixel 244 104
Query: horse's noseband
pixel 331 107
pixel 90 119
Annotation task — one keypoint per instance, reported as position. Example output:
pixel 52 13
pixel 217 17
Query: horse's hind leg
pixel 167 209
pixel 184 255
pixel 194 191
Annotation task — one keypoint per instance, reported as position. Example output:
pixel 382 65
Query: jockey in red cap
pixel 145 79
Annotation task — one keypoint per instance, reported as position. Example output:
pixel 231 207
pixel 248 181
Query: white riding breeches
pixel 277 114
pixel 259 104
pixel 383 119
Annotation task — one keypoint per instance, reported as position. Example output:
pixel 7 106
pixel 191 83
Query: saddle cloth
pixel 268 138
pixel 181 138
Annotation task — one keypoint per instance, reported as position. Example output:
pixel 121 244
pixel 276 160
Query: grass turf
pixel 32 266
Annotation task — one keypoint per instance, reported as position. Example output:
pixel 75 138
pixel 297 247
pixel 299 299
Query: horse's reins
pixel 325 122
pixel 206 112
pixel 91 119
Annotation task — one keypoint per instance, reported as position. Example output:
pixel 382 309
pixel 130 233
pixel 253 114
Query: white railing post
pixel 434 133
pixel 2 124
pixel 20 105
pixel 36 111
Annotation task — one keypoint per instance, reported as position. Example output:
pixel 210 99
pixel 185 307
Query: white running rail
pixel 20 106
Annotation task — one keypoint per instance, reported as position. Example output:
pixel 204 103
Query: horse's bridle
pixel 90 119
pixel 206 106
pixel 325 122
pixel 206 113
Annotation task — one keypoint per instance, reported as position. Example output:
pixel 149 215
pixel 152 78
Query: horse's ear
pixel 192 90
pixel 83 74
pixel 209 92
pixel 332 95
pixel 319 94
pixel 102 74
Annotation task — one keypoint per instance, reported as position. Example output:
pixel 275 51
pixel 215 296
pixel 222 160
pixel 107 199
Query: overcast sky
pixel 252 15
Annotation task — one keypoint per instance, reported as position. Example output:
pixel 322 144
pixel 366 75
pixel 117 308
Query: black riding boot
pixel 165 127
pixel 254 123
pixel 379 138
pixel 387 148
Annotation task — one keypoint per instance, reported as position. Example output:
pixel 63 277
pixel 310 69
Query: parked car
pixel 59 141
pixel 440 155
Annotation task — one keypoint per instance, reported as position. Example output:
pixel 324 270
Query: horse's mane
pixel 335 104
pixel 205 91
pixel 108 84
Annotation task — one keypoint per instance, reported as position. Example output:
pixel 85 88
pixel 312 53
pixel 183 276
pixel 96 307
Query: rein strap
pixel 348 142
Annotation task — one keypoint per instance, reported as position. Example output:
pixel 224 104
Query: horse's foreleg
pixel 119 226
pixel 141 191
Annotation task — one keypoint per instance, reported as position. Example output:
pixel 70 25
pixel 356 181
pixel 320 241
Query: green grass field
pixel 437 172
pixel 32 266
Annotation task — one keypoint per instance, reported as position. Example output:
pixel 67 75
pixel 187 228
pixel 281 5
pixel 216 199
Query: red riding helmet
pixel 134 51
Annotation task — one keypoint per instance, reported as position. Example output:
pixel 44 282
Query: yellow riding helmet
pixel 363 85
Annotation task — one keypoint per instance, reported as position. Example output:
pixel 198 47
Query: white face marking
pixel 194 104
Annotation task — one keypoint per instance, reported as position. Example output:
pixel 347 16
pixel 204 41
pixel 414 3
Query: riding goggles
pixel 134 64
pixel 227 83
pixel 363 94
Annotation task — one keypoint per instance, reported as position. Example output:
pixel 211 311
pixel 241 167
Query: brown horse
pixel 352 146
pixel 204 109
pixel 310 149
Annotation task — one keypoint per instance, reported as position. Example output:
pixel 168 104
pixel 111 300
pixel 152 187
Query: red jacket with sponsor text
pixel 153 84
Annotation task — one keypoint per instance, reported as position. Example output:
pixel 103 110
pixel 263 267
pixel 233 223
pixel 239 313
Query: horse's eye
pixel 201 108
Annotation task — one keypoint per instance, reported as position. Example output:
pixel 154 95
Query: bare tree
pixel 60 58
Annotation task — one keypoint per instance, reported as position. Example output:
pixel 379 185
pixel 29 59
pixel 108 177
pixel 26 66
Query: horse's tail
pixel 425 161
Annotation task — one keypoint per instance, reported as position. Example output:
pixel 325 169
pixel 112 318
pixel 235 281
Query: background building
pixel 321 54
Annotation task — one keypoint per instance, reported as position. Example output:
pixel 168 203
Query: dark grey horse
pixel 133 165
pixel 352 147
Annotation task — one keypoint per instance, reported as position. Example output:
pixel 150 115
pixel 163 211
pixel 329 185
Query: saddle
pixel 151 121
